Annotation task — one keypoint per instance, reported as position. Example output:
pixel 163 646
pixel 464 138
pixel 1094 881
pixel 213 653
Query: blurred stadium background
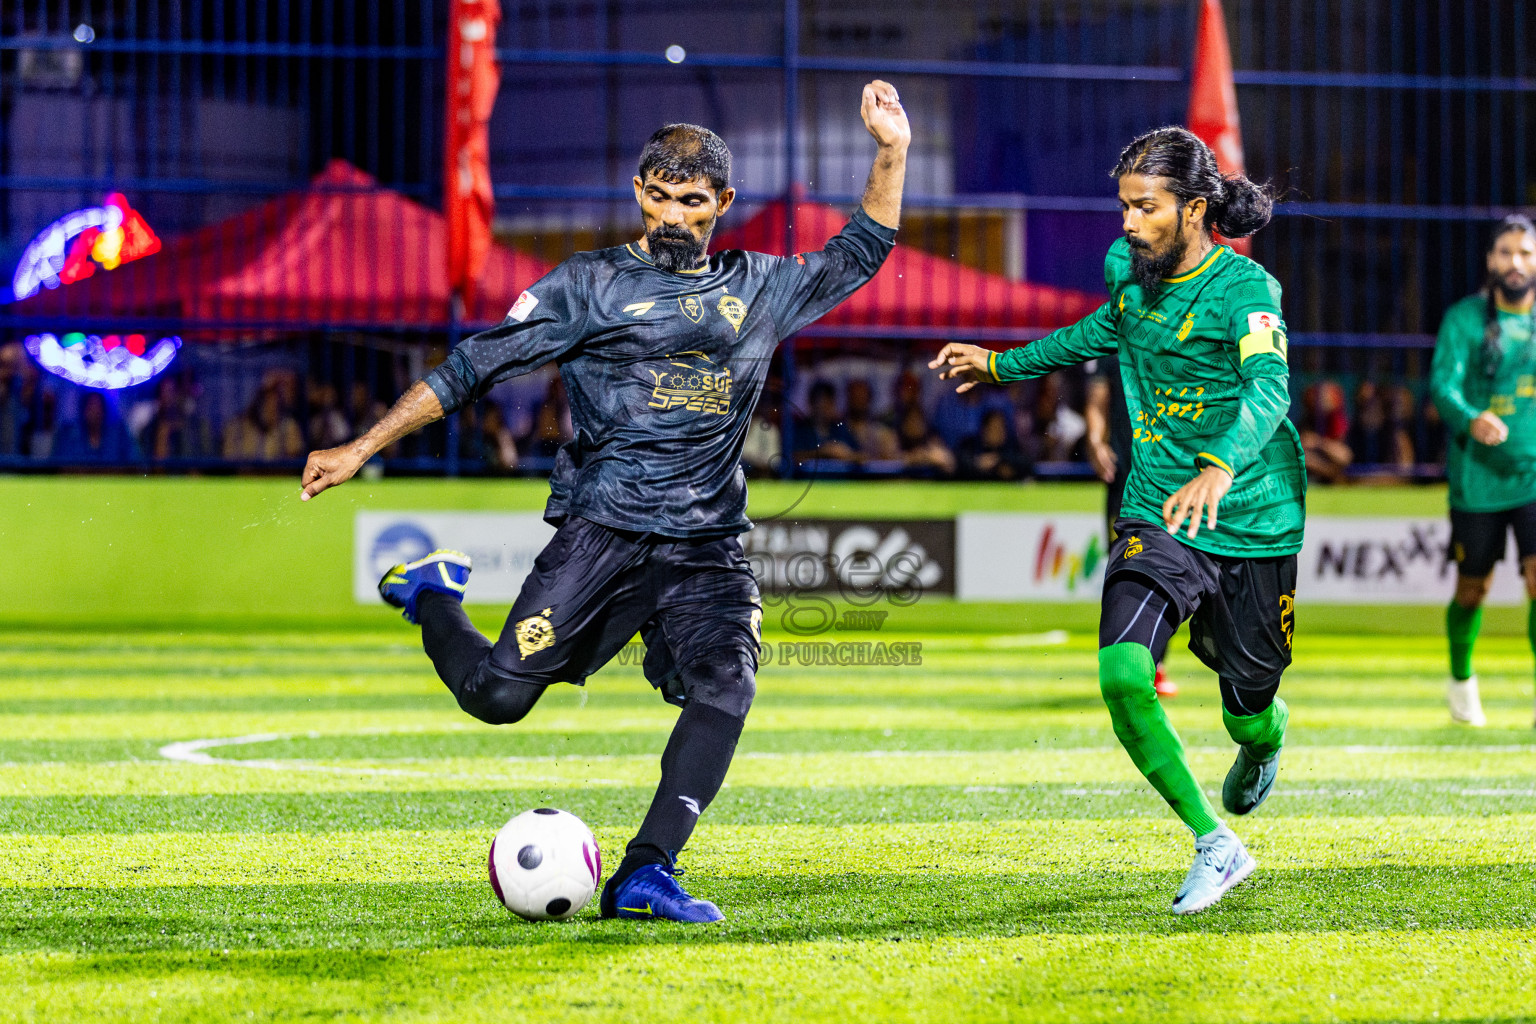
pixel 289 158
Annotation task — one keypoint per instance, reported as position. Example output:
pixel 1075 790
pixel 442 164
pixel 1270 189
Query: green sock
pixel 1262 734
pixel 1461 626
pixel 1125 678
pixel 1530 626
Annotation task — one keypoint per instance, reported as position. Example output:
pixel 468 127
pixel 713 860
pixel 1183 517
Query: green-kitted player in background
pixel 1202 352
pixel 1484 383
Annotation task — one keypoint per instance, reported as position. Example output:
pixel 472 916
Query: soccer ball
pixel 545 864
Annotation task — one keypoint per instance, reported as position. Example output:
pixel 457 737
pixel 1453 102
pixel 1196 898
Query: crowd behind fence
pixel 1397 134
pixel 263 407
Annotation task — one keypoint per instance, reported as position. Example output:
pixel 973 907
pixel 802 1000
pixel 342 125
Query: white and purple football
pixel 545 864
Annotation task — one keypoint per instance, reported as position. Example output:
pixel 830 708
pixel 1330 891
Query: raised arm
pixel 887 122
pixel 808 285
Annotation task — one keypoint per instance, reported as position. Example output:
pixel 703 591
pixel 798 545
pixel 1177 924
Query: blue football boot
pixel 652 893
pixel 446 572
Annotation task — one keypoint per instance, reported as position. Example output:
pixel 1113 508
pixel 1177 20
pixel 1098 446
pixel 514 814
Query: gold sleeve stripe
pixel 1218 463
pixel 1259 342
pixel 992 365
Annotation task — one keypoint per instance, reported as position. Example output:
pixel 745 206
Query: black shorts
pixel 1478 539
pixel 593 588
pixel 1241 611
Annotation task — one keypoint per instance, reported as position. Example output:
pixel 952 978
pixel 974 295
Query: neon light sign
pixel 111 234
pixel 109 363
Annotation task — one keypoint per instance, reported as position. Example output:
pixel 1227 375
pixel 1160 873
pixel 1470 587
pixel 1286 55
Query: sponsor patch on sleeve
pixel 1257 322
pixel 522 307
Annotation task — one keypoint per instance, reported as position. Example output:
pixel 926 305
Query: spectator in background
pixel 363 408
pixel 264 433
pixel 1324 427
pixel 44 432
pixel 551 423
pixel 1400 404
pixel 1431 447
pixel 98 436
pixel 1368 437
pixel 15 413
pixel 872 439
pixel 823 434
pixel 763 450
pixel 992 453
pixel 175 429
pixel 922 450
pixel 327 426
pixel 1057 426
pixel 957 417
pixel 497 445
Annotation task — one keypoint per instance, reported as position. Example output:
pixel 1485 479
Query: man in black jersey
pixel 664 352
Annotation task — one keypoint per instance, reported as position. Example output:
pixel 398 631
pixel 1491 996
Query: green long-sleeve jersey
pixel 1206 384
pixel 1487 478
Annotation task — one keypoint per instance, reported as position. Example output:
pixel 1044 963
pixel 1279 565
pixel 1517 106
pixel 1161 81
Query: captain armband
pixel 1256 343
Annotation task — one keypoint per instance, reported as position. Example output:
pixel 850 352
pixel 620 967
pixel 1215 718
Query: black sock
pixel 1248 699
pixel 693 768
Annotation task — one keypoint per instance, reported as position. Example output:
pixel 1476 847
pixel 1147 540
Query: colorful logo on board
pixel 106 363
pixel 74 246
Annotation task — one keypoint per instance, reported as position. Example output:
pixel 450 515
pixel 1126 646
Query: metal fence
pixel 1397 133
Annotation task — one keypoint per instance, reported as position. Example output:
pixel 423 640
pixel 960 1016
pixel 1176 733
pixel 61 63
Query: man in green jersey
pixel 1202 351
pixel 1484 382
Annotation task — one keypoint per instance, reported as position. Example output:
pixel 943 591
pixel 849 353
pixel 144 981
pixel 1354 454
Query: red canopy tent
pixel 914 289
pixel 345 251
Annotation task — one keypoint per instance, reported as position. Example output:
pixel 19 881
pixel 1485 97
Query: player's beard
pixel 1150 267
pixel 674 249
pixel 1514 288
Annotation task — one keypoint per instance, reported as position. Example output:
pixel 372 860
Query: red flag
pixel 1213 98
pixel 473 79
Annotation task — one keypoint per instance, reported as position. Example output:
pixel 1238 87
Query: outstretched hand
pixel 1202 494
pixel 970 364
pixel 330 468
pixel 883 115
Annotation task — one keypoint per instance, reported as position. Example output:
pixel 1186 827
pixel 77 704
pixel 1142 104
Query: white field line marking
pixel 1051 638
pixel 192 752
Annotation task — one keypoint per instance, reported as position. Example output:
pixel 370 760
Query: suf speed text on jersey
pixel 1206 384
pixel 663 371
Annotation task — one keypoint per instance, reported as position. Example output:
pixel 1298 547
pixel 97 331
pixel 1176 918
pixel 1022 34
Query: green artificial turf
pixel 958 840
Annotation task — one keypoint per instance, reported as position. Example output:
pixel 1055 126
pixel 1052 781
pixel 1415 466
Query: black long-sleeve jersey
pixel 663 371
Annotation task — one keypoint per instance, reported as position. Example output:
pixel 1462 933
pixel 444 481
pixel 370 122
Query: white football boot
pixel 1466 706
pixel 1221 861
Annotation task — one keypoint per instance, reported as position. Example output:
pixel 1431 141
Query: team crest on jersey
pixel 693 307
pixel 1189 325
pixel 535 633
pixel 734 310
pixel 692 381
pixel 1133 546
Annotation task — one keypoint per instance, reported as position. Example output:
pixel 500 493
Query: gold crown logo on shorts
pixel 535 633
pixel 1133 547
